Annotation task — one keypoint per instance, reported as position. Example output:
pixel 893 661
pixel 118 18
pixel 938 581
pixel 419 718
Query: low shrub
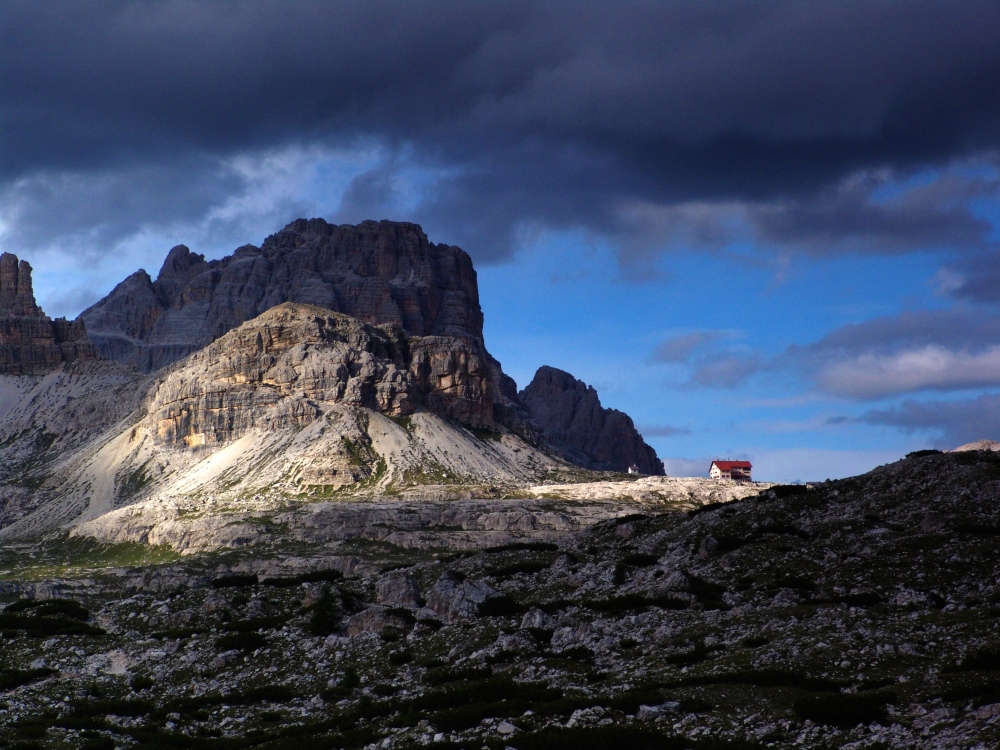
pixel 640 561
pixel 65 607
pixel 234 581
pixel 326 615
pixel 523 546
pixel 316 576
pixel 844 709
pixel 256 623
pixel 615 738
pixel 500 606
pixel 14 678
pixel 632 602
pixel 987 657
pixel 242 641
pixel 445 675
pixel 528 567
pixel 401 657
pixel 114 707
pixel 142 682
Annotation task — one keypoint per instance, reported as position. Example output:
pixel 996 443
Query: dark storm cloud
pixel 533 113
pixel 954 422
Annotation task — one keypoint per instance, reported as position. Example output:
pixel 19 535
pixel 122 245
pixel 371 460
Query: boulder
pixel 398 589
pixel 535 618
pixel 455 597
pixel 374 619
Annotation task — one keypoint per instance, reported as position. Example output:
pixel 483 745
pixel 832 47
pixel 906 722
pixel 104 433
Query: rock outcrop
pixel 579 429
pixel 270 373
pixel 30 341
pixel 378 272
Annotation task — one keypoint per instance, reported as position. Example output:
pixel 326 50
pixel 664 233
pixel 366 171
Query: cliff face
pixel 580 429
pixel 384 274
pixel 378 272
pixel 30 341
pixel 271 372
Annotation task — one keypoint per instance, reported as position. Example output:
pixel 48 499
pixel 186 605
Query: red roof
pixel 730 465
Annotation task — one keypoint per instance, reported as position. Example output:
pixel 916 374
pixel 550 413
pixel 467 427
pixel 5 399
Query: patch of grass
pixel 134 482
pixel 486 434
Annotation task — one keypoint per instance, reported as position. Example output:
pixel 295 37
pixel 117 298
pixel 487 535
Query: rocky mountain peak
pixel 378 272
pixel 16 294
pixel 30 342
pixel 580 429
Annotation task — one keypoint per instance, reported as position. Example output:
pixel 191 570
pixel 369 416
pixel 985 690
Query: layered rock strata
pixel 579 429
pixel 378 272
pixel 30 341
pixel 382 274
pixel 271 372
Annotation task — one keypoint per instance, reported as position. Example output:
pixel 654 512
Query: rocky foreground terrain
pixel 859 613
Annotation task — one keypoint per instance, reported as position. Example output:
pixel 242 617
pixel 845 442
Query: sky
pixel 763 230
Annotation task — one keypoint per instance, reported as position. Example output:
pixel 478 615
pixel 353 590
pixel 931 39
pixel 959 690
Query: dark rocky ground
pixel 862 613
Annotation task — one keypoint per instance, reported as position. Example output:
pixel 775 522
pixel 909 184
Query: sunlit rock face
pixel 30 341
pixel 273 371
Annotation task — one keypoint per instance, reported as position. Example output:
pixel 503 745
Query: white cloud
pixel 928 367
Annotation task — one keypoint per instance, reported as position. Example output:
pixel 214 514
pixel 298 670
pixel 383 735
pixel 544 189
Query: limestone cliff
pixel 579 429
pixel 378 272
pixel 30 341
pixel 272 372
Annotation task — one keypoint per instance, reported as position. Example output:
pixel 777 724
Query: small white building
pixel 738 470
pixel 633 469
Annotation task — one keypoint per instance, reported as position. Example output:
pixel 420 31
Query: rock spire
pixel 30 341
pixel 581 430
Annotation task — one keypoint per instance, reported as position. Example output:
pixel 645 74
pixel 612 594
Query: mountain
pixel 580 430
pixel 381 273
pixel 30 341
pixel 299 402
pixel 378 272
pixel 332 361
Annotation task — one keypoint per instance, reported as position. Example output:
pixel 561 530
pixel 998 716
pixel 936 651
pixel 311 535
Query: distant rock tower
pixel 30 341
